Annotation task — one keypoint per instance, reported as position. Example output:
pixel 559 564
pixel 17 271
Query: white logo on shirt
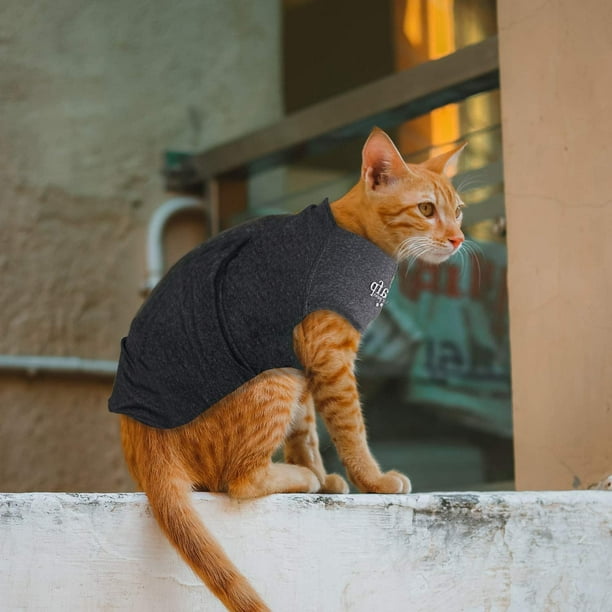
pixel 379 292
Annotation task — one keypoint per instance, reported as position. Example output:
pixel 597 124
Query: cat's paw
pixel 334 483
pixel 391 482
pixel 311 483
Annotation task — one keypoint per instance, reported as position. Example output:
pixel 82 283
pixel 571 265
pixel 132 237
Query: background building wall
pixel 556 92
pixel 91 93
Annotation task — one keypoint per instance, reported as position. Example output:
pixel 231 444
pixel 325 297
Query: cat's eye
pixel 458 211
pixel 427 209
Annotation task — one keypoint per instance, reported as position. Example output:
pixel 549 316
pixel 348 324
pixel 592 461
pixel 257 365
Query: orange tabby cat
pixel 408 211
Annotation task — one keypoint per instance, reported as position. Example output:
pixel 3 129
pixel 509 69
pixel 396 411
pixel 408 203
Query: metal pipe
pixel 157 225
pixel 40 364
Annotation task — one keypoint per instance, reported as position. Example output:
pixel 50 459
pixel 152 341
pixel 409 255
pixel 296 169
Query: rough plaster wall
pixel 55 434
pixel 91 93
pixel 556 93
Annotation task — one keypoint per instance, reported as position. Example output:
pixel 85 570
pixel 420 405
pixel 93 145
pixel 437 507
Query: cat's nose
pixel 456 241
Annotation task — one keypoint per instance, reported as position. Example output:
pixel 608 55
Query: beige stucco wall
pixel 91 93
pixel 556 60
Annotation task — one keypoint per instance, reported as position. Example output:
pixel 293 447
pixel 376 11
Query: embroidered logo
pixel 379 292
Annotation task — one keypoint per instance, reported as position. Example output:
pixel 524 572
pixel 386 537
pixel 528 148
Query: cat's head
pixel 413 210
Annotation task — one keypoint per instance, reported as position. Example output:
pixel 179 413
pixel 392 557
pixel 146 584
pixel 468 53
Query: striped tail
pixel 173 508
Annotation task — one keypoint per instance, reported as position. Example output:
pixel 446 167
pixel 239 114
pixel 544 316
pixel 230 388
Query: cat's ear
pixel 381 162
pixel 442 163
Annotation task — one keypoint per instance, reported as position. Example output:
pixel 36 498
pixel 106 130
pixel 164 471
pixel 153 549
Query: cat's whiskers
pixel 413 248
pixel 476 179
pixel 415 257
pixel 474 252
pixel 469 183
pixel 462 254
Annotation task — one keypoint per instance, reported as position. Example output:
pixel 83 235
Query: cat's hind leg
pixel 274 478
pixel 250 424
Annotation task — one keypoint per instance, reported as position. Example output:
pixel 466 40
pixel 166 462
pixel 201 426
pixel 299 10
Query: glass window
pixel 434 368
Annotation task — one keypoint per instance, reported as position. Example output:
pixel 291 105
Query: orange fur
pixel 230 446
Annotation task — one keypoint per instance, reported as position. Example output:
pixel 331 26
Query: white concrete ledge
pixel 452 551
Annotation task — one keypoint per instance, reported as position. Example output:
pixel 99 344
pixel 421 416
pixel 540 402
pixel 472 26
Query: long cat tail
pixel 172 506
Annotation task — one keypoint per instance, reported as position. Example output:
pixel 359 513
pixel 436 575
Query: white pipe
pixel 157 225
pixel 38 364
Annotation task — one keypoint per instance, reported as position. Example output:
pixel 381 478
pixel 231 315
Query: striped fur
pixel 229 447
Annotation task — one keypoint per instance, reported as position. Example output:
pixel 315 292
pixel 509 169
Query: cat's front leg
pixel 327 345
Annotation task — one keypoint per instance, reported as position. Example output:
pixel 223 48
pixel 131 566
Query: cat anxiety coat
pixel 226 311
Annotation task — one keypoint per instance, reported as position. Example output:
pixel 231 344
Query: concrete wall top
pixel 454 551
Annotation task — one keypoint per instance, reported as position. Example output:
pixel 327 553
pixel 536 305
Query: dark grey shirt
pixel 226 311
